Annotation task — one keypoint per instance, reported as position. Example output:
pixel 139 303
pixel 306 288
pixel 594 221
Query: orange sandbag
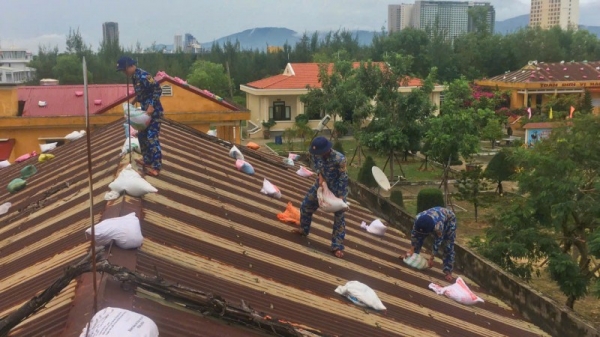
pixel 290 215
pixel 253 146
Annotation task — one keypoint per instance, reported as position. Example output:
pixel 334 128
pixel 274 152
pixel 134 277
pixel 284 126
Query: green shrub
pixel 396 198
pixel 365 175
pixel 338 147
pixel 428 198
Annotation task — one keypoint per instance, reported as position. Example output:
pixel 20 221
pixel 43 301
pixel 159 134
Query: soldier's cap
pixel 124 62
pixel 424 224
pixel 320 146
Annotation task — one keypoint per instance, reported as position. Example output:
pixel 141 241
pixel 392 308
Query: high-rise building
pixel 110 32
pixel 178 43
pixel 399 17
pixel 551 13
pixel 452 17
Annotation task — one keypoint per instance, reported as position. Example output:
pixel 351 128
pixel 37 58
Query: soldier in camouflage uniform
pixel 330 166
pixel 147 93
pixel 442 223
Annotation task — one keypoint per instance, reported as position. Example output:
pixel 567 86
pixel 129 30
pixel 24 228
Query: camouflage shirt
pixel 445 230
pixel 147 91
pixel 333 170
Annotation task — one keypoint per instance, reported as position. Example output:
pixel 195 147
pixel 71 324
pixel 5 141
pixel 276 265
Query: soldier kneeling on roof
pixel 442 223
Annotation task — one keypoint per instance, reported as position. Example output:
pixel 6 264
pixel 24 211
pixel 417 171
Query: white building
pixel 452 17
pixel 178 44
pixel 399 17
pixel 13 66
pixel 549 13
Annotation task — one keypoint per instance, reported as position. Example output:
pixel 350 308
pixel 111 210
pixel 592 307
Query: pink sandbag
pixel 270 189
pixel 459 291
pixel 25 157
pixel 244 166
pixel 304 172
pixel 328 202
pixel 293 156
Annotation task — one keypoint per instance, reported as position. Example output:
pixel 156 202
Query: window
pixel 167 90
pixel 280 112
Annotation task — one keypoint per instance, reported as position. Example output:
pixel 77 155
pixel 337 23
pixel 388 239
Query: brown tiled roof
pixel 209 228
pixel 553 72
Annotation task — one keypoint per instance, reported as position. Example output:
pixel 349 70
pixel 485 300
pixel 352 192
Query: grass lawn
pixel 410 167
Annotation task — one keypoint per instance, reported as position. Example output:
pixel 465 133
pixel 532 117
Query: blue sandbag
pixel 247 168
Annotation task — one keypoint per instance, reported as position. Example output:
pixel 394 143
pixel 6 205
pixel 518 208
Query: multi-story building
pixel 399 17
pixel 178 44
pixel 551 13
pixel 13 66
pixel 110 32
pixel 452 17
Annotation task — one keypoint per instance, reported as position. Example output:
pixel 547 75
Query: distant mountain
pixel 513 24
pixel 259 38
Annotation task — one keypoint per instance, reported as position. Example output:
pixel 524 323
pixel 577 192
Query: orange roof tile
pixel 306 74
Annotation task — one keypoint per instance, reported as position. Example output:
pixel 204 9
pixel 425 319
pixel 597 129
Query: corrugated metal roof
pixel 62 100
pixel 67 100
pixel 553 72
pixel 209 228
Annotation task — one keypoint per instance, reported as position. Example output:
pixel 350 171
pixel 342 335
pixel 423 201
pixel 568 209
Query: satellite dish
pixel 381 178
pixel 323 122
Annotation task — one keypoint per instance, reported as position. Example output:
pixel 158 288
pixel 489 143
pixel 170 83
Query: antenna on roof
pixel 91 187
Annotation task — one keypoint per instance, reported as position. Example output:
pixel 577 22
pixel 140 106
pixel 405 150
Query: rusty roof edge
pixel 520 296
pixel 225 144
pixel 79 314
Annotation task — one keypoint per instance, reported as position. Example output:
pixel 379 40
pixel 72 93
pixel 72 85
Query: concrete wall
pixel 8 101
pixel 554 318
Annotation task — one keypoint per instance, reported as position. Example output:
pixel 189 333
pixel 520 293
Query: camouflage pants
pixel 150 145
pixel 309 205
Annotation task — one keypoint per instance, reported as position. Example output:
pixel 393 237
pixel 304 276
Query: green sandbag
pixel 28 171
pixel 16 185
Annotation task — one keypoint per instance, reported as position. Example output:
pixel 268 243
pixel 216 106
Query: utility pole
pixel 229 79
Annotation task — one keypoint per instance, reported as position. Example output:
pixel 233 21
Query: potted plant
pixel 267 128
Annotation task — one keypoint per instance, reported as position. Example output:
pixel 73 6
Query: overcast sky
pixel 27 23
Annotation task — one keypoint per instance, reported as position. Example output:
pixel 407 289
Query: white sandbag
pixel 288 161
pixel 328 202
pixel 116 322
pixel 4 163
pixel 304 172
pixel 235 153
pixel 360 294
pixel 135 145
pixel 75 135
pixel 270 189
pixel 4 208
pixel 48 147
pixel 124 230
pixel 112 195
pixel 138 117
pixel 459 291
pixel 130 182
pixel 416 261
pixel 212 133
pixel 376 227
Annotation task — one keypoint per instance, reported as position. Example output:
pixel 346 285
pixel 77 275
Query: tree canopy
pixel 559 218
